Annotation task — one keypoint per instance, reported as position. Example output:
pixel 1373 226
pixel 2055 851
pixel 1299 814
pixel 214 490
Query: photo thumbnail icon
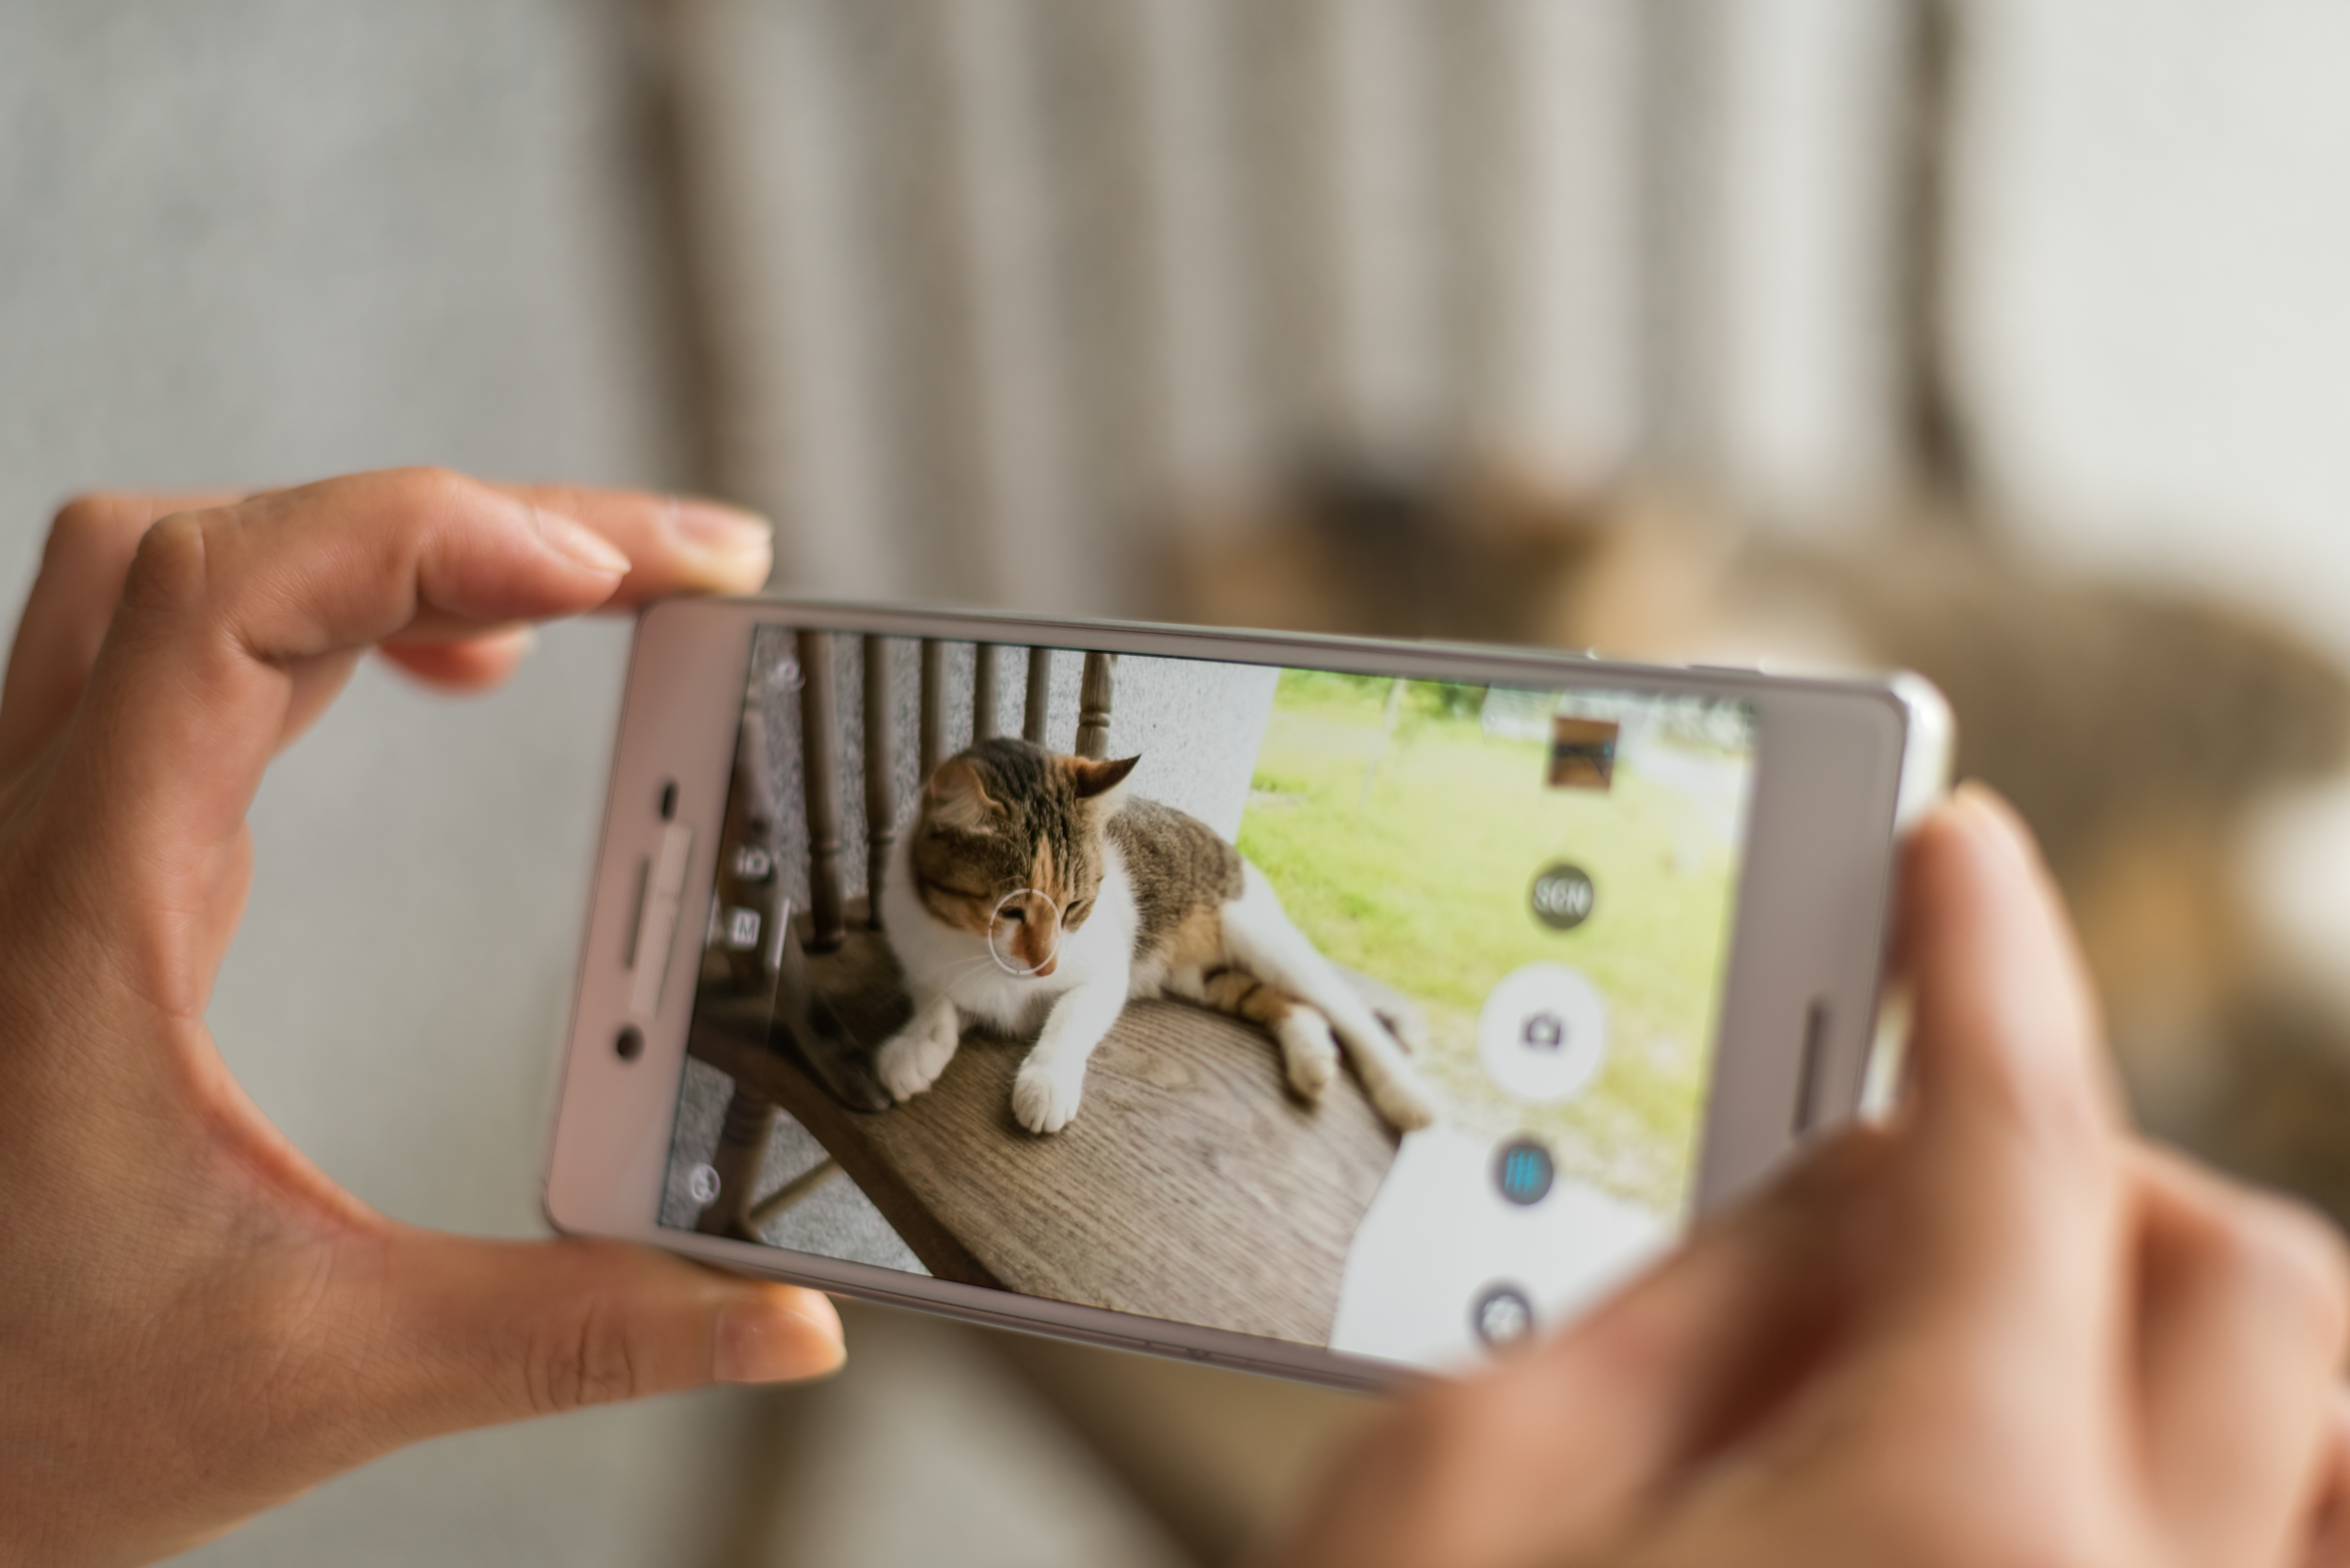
pixel 1582 753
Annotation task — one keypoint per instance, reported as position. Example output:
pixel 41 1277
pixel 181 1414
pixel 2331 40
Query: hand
pixel 195 1323
pixel 1994 1334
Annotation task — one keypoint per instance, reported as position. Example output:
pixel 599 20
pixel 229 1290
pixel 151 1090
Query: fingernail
pixel 579 544
pixel 710 528
pixel 760 1341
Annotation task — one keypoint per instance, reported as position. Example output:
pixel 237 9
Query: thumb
pixel 1557 1452
pixel 478 1332
pixel 2007 1189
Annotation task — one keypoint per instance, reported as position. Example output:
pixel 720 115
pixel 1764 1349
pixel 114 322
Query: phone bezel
pixel 1842 767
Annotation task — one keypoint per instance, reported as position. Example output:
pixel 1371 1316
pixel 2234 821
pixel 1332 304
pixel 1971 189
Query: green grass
pixel 1404 844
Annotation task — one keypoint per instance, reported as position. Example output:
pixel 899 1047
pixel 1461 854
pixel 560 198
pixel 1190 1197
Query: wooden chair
pixel 1191 1184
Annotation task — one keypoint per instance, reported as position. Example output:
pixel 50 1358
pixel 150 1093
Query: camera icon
pixel 1542 1033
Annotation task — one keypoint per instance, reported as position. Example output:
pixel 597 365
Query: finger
pixel 478 1332
pixel 676 544
pixel 2329 1536
pixel 1600 1422
pixel 474 664
pixel 233 619
pixel 2244 1310
pixel 1687 1358
pixel 2006 1191
pixel 90 544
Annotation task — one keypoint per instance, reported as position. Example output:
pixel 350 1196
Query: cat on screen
pixel 1031 886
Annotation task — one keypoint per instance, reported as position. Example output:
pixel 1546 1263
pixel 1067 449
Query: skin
pixel 1997 1332
pixel 195 1324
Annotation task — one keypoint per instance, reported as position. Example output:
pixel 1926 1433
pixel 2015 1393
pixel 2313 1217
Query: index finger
pixel 675 545
pixel 229 615
pixel 90 543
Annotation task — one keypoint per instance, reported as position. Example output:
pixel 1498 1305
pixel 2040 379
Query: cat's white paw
pixel 1044 1094
pixel 1403 1099
pixel 1308 1052
pixel 912 1060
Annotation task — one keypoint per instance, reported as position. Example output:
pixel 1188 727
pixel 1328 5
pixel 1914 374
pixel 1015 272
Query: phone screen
pixel 1366 1014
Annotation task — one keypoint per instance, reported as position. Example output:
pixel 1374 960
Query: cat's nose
pixel 1038 948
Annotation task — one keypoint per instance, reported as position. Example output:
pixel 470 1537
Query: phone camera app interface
pixel 1344 1010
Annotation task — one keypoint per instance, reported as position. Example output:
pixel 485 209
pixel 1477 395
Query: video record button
pixel 1522 1170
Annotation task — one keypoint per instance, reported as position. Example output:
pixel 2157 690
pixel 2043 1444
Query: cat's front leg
pixel 1053 1078
pixel 912 1060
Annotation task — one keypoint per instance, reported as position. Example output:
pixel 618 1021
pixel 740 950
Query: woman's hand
pixel 1997 1332
pixel 195 1323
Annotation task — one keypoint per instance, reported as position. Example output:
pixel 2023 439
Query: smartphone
pixel 1328 1007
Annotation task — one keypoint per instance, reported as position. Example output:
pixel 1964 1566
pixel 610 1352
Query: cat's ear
pixel 1095 777
pixel 957 797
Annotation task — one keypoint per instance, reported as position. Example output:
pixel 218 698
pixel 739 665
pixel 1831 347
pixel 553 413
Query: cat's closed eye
pixel 1013 913
pixel 1078 913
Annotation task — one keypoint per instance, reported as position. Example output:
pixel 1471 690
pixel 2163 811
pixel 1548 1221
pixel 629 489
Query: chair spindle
pixel 742 1149
pixel 820 771
pixel 1040 696
pixel 933 724
pixel 880 771
pixel 1093 705
pixel 985 658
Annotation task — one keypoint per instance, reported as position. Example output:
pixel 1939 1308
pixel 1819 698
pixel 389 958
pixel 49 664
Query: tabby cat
pixel 1033 887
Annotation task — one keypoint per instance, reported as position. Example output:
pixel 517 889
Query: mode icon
pixel 1503 1317
pixel 1563 896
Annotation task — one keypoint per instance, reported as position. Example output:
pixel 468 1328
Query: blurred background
pixel 2003 340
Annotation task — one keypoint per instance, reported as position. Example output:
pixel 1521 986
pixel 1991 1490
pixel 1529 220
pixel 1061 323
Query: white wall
pixel 2160 236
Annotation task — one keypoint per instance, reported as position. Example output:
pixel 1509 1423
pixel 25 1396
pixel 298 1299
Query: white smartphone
pixel 1320 1006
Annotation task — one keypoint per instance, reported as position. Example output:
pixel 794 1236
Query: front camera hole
pixel 630 1043
pixel 669 801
